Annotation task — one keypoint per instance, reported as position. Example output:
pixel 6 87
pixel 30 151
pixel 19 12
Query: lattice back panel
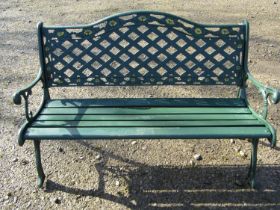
pixel 143 49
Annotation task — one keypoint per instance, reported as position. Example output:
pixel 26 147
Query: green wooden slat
pixel 145 123
pixel 149 117
pixel 135 110
pixel 151 102
pixel 144 132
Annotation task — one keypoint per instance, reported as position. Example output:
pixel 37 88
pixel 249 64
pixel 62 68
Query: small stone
pixel 15 199
pixel 133 202
pixel 28 204
pixel 275 2
pixel 144 147
pixel 9 194
pixel 271 45
pixel 237 149
pixel 133 143
pixel 197 157
pixel 57 200
pixel 24 162
pixel 60 149
pixel 78 197
pixel 192 163
pixel 81 157
pixel 232 141
pixel 242 153
pixel 15 160
pixel 117 183
pixel 98 157
pixel 72 182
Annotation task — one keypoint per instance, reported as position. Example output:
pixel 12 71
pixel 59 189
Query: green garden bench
pixel 137 49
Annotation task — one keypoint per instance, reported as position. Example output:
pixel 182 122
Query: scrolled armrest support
pixel 266 92
pixel 25 93
pixel 275 96
pixel 273 93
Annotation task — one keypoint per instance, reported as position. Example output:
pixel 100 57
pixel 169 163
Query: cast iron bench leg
pixel 253 164
pixel 41 175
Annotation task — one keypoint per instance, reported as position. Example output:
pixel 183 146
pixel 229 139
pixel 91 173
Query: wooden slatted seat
pixel 146 118
pixel 143 49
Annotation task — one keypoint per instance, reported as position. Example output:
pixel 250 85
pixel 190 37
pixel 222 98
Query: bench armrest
pixel 267 93
pixel 25 93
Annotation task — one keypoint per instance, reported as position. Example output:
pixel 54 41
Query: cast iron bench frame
pixel 56 40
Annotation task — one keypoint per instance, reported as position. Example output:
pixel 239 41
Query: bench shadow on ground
pixel 172 187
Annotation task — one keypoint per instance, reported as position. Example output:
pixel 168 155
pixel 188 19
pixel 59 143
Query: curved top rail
pixel 143 47
pixel 154 18
pixel 147 12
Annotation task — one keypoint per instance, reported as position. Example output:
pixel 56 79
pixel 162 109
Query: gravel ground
pixel 158 174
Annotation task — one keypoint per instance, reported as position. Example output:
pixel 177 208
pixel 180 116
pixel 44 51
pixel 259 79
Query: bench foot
pixel 41 175
pixel 253 184
pixel 253 164
pixel 40 181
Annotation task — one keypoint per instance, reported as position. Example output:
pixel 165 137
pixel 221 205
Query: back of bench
pixel 143 48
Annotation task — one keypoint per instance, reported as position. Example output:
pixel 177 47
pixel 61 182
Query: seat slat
pixel 146 132
pixel 118 117
pixel 144 110
pixel 151 102
pixel 205 123
pixel 146 118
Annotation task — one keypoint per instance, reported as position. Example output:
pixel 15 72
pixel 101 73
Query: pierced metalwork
pixel 143 49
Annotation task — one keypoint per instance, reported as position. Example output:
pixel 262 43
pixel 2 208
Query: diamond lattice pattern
pixel 142 53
